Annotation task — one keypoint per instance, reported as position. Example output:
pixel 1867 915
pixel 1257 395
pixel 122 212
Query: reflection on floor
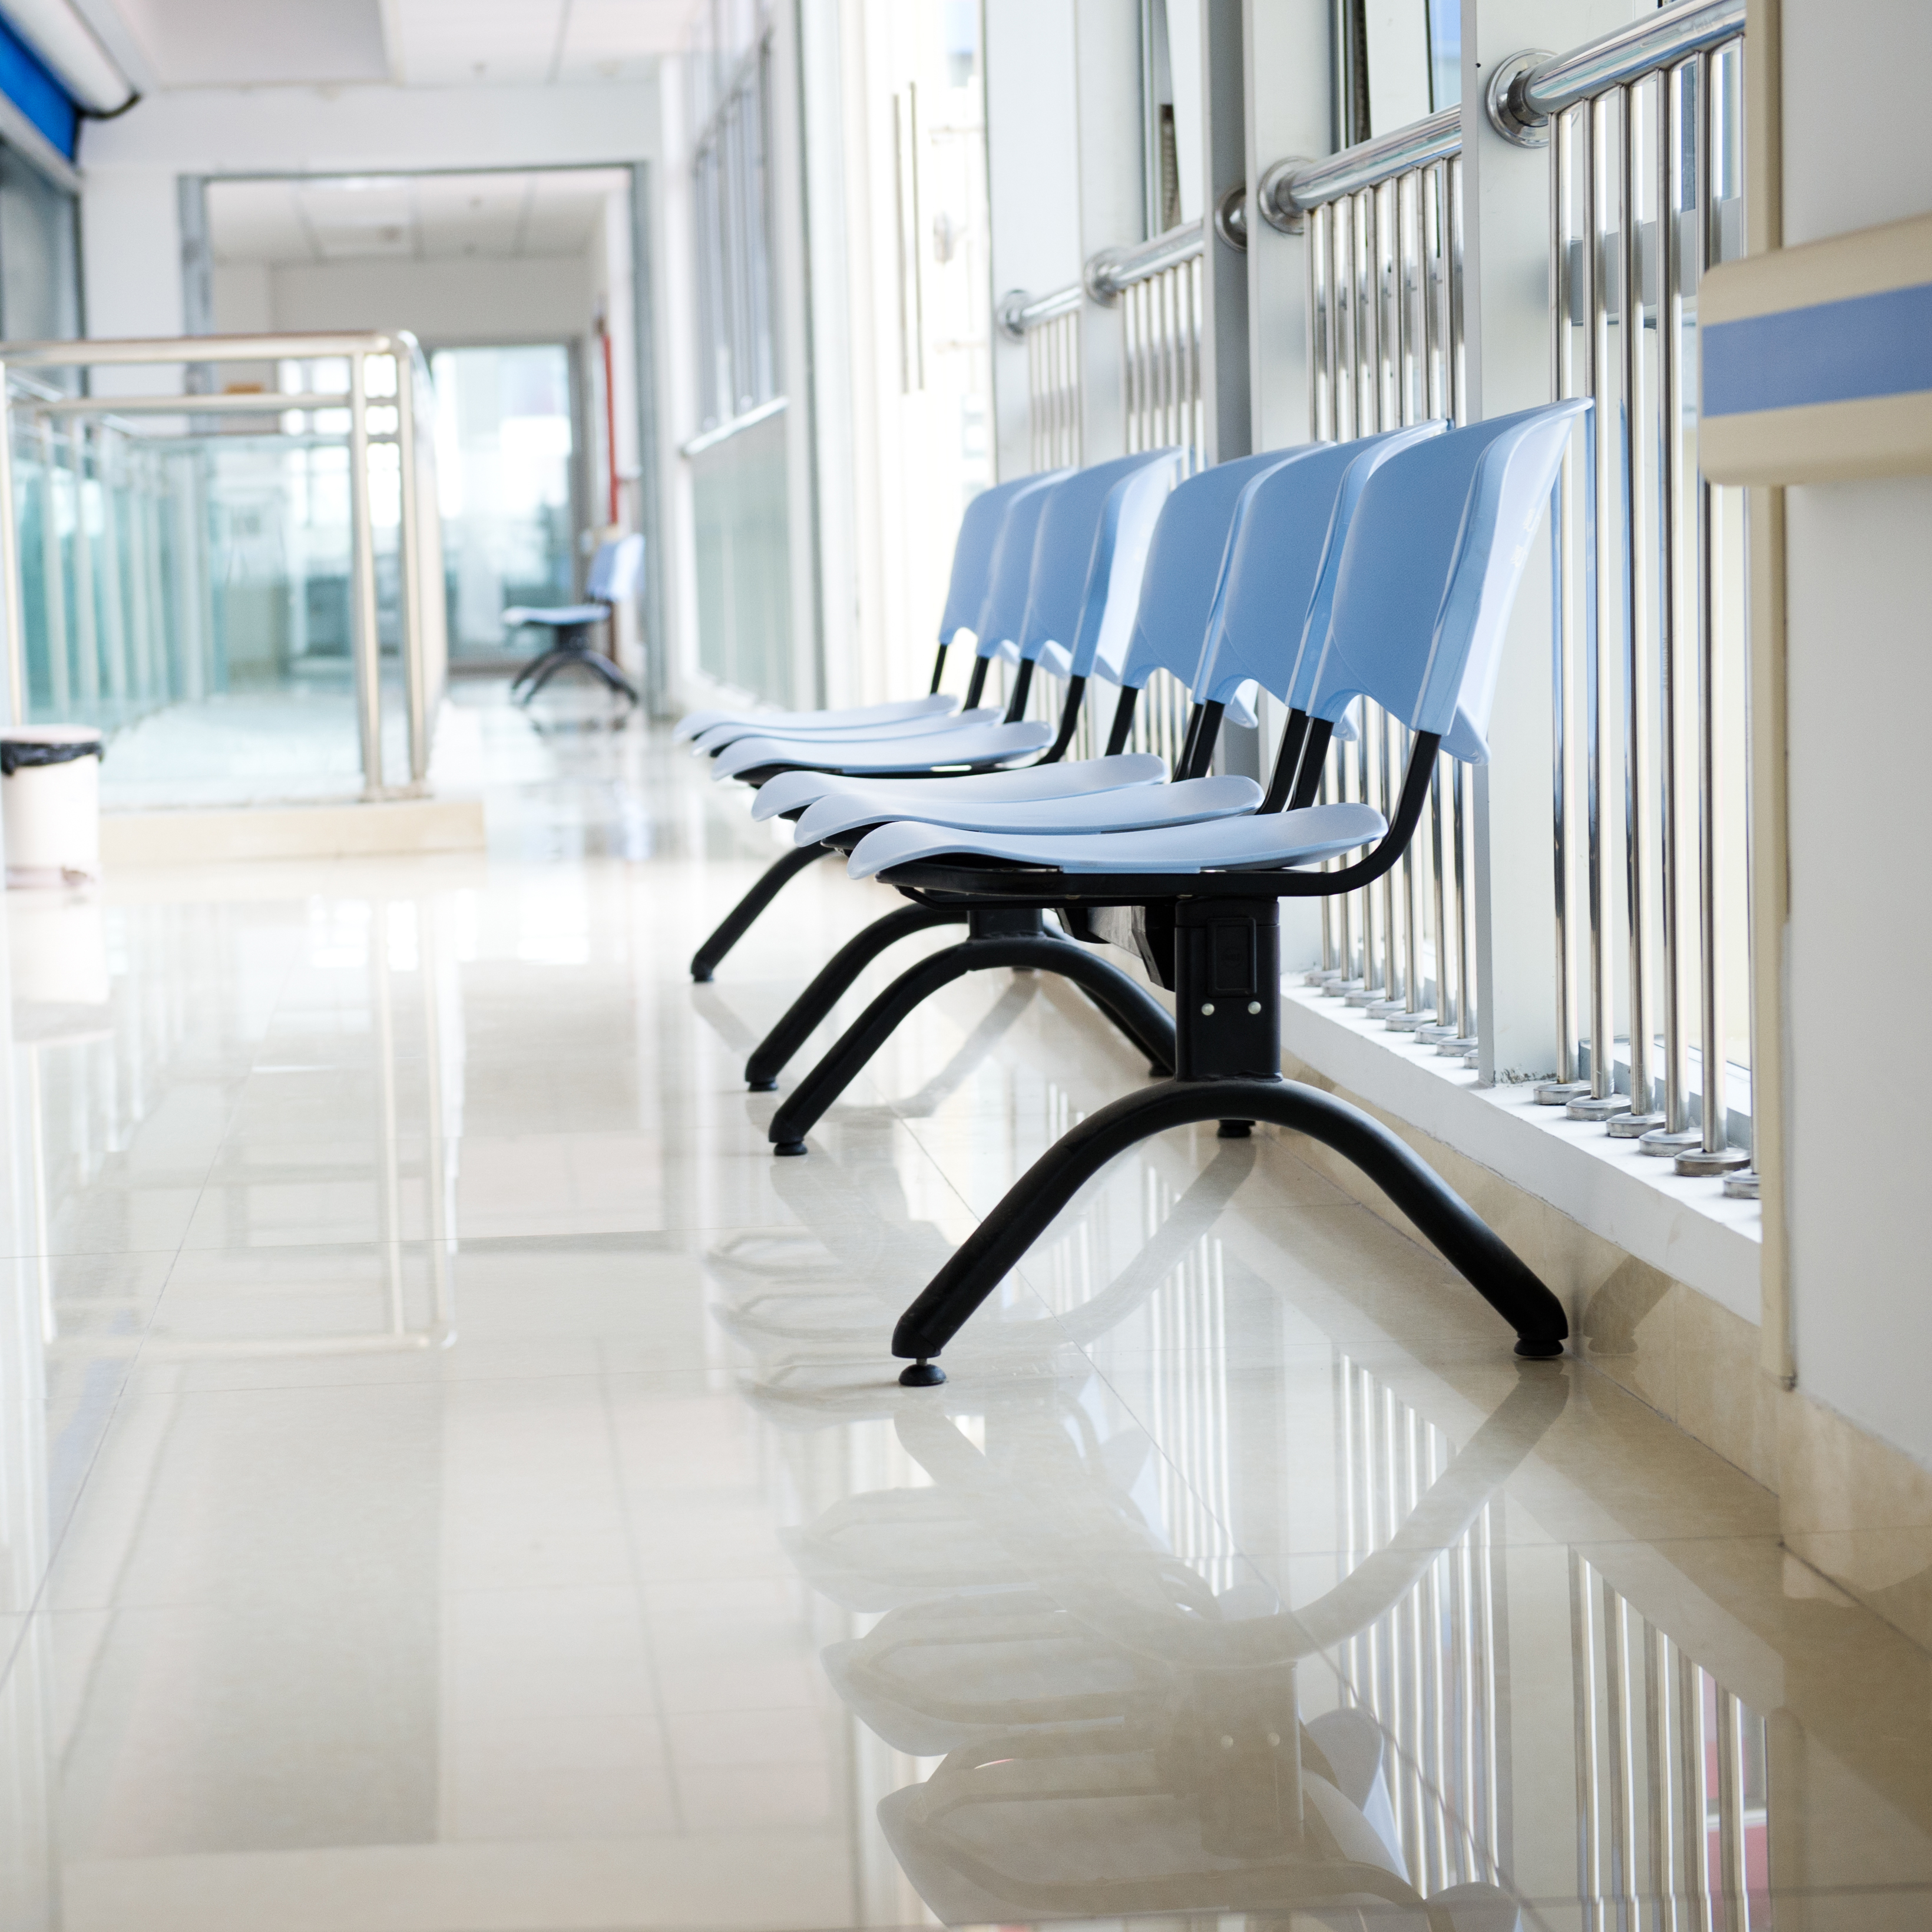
pixel 453 1477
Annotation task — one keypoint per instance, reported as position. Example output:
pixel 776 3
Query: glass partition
pixel 188 573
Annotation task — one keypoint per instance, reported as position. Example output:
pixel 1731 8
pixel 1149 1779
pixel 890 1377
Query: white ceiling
pixel 420 218
pixel 166 43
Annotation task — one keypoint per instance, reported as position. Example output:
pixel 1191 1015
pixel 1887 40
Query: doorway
pixel 506 445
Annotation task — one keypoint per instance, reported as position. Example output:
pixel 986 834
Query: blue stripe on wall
pixel 29 84
pixel 1836 351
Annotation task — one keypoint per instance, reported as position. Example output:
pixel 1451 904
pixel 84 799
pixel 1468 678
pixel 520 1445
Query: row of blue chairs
pixel 1384 569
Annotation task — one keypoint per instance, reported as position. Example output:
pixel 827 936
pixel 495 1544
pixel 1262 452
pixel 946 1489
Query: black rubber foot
pixel 700 976
pixel 922 1374
pixel 762 1086
pixel 1233 1130
pixel 1538 1351
pixel 788 1147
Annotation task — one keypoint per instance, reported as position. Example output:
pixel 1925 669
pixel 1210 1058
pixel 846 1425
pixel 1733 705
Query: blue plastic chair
pixel 972 553
pixel 1423 587
pixel 1025 550
pixel 1256 535
pixel 615 572
pixel 1150 594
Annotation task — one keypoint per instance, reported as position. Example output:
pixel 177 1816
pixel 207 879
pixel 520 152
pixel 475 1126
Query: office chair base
pixel 997 937
pixel 740 918
pixel 540 670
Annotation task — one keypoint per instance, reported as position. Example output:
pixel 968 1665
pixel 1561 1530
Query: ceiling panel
pixel 247 43
pixel 521 213
pixel 360 216
pixel 619 40
pixel 256 221
pixel 458 43
pixel 471 214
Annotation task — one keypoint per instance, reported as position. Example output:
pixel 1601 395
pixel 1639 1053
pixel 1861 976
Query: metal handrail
pixel 1528 88
pixel 1018 311
pixel 193 350
pixel 1107 276
pixel 1290 188
pixel 1114 270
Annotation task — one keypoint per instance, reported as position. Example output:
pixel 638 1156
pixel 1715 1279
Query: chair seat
pixel 930 751
pixel 904 798
pixel 1269 838
pixel 719 736
pixel 693 723
pixel 556 617
pixel 1123 809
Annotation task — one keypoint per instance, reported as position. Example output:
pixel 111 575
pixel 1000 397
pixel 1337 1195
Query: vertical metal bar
pixel 1467 1018
pixel 1444 1027
pixel 1600 614
pixel 1565 299
pixel 1459 370
pixel 53 573
pixel 409 631
pixel 1732 1886
pixel 364 640
pixel 86 630
pixel 1674 133
pixel 1583 1679
pixel 1621 1766
pixel 1635 521
pixel 1714 1155
pixel 120 683
pixel 10 612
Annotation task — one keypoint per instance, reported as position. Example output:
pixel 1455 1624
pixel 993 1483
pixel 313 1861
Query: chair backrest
pixel 615 569
pixel 1435 551
pixel 1078 543
pixel 1001 615
pixel 979 529
pixel 1289 525
pixel 1183 571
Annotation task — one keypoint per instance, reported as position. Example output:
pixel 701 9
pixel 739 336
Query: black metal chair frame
pixel 570 645
pixel 1213 940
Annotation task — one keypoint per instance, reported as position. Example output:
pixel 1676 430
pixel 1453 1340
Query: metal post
pixel 1602 1100
pixel 1442 1024
pixel 409 629
pixel 1564 303
pixel 1715 1155
pixel 87 643
pixel 1639 1118
pixel 365 641
pixel 10 612
pixel 53 575
pixel 1674 1134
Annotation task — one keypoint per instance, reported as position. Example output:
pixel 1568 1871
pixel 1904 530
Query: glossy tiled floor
pixel 453 1477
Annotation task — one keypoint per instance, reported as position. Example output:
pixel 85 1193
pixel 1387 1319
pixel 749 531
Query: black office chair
pixel 614 572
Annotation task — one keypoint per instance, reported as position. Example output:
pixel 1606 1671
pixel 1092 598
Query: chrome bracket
pixel 1503 102
pixel 1006 313
pixel 1275 197
pixel 1231 218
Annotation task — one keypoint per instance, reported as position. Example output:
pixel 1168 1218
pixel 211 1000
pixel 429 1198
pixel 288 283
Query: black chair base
pixel 561 656
pixel 1228 1057
pixel 770 1057
pixel 996 937
pixel 740 918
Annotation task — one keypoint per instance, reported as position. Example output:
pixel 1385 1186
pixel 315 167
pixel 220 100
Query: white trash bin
pixel 50 803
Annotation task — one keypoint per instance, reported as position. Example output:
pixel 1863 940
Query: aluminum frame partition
pixel 418 545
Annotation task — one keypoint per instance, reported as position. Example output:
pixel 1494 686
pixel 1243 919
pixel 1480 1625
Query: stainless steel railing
pixel 1644 130
pixel 1384 225
pixel 1157 286
pixel 114 425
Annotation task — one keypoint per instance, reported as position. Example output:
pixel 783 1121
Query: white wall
pixel 1859 645
pixel 471 300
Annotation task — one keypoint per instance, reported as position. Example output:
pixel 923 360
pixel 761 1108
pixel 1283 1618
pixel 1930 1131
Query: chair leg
pixel 770 1057
pixel 1129 1006
pixel 1001 1241
pixel 740 918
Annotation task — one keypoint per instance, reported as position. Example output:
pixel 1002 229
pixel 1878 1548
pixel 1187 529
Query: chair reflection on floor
pixel 1119 1736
